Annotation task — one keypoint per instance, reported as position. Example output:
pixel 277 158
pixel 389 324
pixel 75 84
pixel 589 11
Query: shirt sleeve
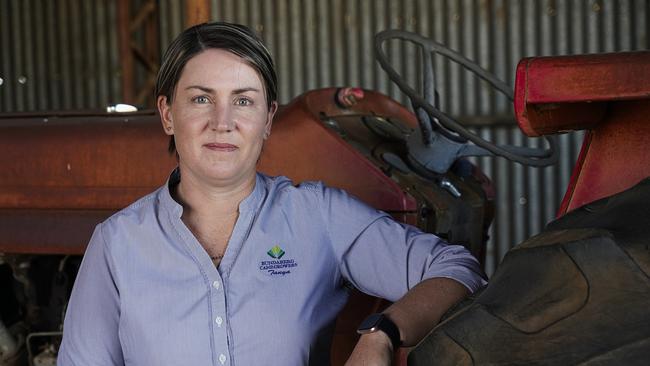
pixel 90 331
pixel 385 258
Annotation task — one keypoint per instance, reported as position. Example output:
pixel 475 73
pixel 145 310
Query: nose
pixel 221 119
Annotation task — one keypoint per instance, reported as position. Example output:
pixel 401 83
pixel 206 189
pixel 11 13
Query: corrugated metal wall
pixel 329 42
pixel 58 54
pixel 62 54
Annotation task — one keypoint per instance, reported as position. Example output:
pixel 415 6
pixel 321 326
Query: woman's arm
pixel 422 274
pixel 415 315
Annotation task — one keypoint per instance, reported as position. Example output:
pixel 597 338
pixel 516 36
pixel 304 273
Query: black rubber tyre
pixel 576 294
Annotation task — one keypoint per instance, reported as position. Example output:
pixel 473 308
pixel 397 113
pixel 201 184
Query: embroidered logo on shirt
pixel 275 252
pixel 277 266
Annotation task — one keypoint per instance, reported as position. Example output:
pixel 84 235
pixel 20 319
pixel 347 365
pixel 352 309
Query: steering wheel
pixel 441 139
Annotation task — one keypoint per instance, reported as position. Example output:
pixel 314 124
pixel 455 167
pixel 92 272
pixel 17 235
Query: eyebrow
pixel 211 91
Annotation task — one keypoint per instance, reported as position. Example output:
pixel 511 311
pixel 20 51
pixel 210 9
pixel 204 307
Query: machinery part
pixel 60 292
pixel 20 266
pixel 47 357
pixel 578 293
pixel 43 288
pixel 441 140
pixel 8 345
pixel 455 206
pixel 348 97
pixel 450 187
pixel 608 95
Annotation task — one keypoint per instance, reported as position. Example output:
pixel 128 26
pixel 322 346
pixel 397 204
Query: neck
pixel 199 198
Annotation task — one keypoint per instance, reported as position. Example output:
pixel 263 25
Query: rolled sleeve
pixel 90 333
pixel 454 262
pixel 385 258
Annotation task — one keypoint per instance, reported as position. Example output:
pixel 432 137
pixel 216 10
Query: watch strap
pixel 389 328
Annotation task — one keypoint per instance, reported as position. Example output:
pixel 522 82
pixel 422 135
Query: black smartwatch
pixel 380 322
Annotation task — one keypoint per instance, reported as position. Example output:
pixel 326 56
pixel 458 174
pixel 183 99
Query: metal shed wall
pixel 62 54
pixel 58 54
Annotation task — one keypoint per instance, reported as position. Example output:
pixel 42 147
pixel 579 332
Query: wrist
pixel 377 339
pixel 379 323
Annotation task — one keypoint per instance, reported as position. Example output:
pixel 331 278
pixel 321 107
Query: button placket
pixel 240 231
pixel 219 303
pixel 218 306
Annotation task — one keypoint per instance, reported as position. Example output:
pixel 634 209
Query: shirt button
pixel 218 320
pixel 216 284
pixel 222 358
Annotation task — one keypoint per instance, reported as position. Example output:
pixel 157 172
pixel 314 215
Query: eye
pixel 201 99
pixel 243 101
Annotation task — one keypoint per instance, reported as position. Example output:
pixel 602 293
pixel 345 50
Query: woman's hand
pixel 373 349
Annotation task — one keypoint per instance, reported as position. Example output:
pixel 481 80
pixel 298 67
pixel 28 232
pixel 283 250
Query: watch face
pixel 370 323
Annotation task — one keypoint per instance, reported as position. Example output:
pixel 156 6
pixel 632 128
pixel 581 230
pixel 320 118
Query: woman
pixel 223 265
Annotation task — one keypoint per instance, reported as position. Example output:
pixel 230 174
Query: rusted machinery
pixel 579 292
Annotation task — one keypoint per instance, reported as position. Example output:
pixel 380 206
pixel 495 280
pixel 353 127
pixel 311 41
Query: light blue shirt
pixel 147 293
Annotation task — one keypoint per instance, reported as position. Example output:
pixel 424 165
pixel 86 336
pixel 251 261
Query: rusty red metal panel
pixel 574 175
pixel 588 78
pixel 615 157
pixel 81 163
pixel 554 94
pixel 609 94
pixel 66 173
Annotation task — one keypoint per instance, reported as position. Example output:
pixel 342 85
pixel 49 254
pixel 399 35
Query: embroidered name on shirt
pixel 277 266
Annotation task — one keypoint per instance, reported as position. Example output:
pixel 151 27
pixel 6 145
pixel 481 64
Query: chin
pixel 225 174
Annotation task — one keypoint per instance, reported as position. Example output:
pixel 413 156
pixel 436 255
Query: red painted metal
pixel 65 174
pixel 608 94
pixel 614 157
pixel 555 94
pixel 81 163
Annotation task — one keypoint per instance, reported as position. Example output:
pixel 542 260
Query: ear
pixel 165 111
pixel 269 121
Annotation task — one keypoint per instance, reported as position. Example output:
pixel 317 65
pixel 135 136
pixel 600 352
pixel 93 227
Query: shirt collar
pixel 167 202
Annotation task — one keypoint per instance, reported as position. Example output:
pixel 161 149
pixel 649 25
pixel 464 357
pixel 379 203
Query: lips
pixel 216 146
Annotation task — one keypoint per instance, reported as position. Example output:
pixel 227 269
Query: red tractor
pixel 579 292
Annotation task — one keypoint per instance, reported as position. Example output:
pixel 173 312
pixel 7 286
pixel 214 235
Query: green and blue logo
pixel 276 266
pixel 275 252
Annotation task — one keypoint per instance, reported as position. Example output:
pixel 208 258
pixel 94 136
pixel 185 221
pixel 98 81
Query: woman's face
pixel 219 118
